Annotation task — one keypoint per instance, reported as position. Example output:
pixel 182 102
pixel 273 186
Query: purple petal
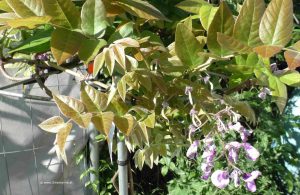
pixel 245 134
pixel 234 144
pixel 192 151
pixel 220 178
pixel 206 175
pixel 248 177
pixel 235 176
pixel 251 186
pixel 237 127
pixel 252 153
pixel 233 155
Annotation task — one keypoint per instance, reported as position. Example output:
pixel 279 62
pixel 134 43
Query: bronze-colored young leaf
pixel 276 26
pixel 246 28
pixel 29 22
pixel 63 12
pixel 103 122
pixel 53 124
pixel 187 47
pixel 119 52
pixel 61 138
pixel 72 108
pixel 122 88
pixel 223 22
pixel 293 59
pixel 127 42
pixel 94 100
pixel 267 51
pixel 27 8
pixel 93 16
pixel 206 14
pixel 109 60
pixel 89 48
pixel 126 123
pixel 142 9
pixel 99 62
pixel 230 43
pixel 64 44
pixel 192 6
pixel 278 91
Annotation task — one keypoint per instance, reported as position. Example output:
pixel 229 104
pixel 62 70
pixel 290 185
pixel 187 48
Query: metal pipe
pixel 122 166
pixel 20 95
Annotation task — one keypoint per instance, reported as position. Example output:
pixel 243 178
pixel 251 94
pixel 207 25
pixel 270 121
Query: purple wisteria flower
pixel 233 148
pixel 244 133
pixel 208 157
pixel 192 130
pixel 252 153
pixel 220 178
pixel 263 93
pixel 193 149
pixel 249 179
pixel 188 89
pixel 235 175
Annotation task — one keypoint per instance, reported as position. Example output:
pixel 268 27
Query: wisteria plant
pixel 169 80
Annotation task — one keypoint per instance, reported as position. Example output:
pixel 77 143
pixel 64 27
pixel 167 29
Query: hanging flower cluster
pixel 230 150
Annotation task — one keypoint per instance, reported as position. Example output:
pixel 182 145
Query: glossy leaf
pixel 103 122
pixel 150 120
pixel 73 109
pixel 53 124
pixel 94 100
pixel 246 28
pixel 187 47
pixel 61 138
pixel 142 9
pixel 99 62
pixel 297 46
pixel 223 22
pixel 5 7
pixel 276 26
pixel 93 16
pixel 121 86
pixel 125 123
pixel 292 58
pixel 127 42
pixel 267 51
pixel 27 8
pixel 29 22
pixel 291 78
pixel 278 91
pixel 192 6
pixel 207 13
pixel 89 49
pixel 233 44
pixel 109 60
pixel 64 44
pixel 63 13
pixel 120 56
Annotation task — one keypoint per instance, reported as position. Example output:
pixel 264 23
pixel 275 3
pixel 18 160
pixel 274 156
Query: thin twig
pixel 5 74
pixel 113 180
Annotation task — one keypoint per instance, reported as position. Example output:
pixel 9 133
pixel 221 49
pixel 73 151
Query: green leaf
pixel 61 138
pixel 53 124
pixel 276 26
pixel 73 109
pixel 207 13
pixel 246 28
pixel 292 58
pixel 150 120
pixel 109 59
pixel 63 13
pixel 5 7
pixel 291 78
pixel 89 49
pixel 39 42
pixel 29 22
pixel 192 6
pixel 223 22
pixel 187 47
pixel 93 16
pixel 64 44
pixel 26 8
pixel 233 44
pixel 278 91
pixel 119 53
pixel 142 9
